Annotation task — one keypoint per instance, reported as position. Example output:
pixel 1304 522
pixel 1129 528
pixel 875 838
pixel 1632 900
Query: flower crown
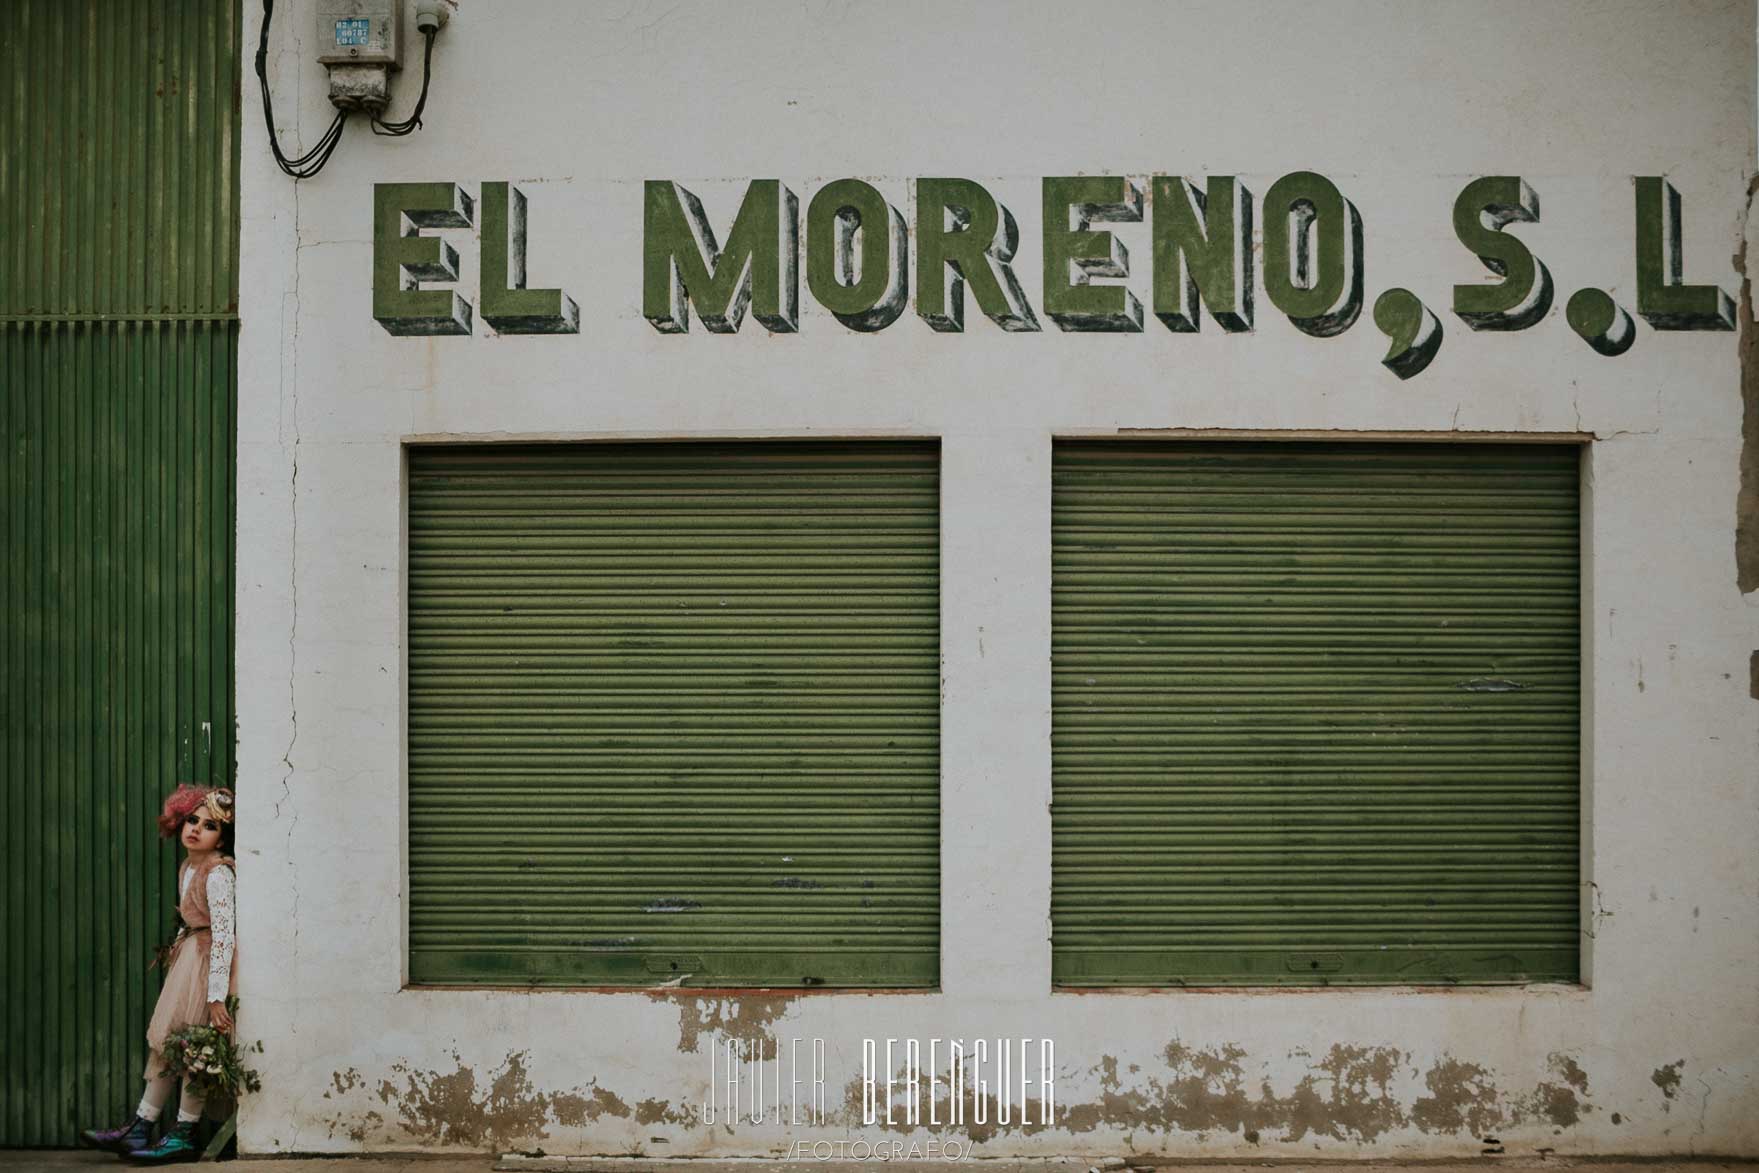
pixel 218 805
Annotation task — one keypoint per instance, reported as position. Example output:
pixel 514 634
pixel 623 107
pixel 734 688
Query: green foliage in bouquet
pixel 208 1062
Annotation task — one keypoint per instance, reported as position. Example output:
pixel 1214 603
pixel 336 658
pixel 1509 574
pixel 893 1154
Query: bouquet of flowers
pixel 208 1062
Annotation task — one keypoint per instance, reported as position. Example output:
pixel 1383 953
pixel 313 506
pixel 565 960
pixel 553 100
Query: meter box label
pixel 359 32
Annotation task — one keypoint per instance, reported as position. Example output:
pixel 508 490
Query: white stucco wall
pixel 1400 106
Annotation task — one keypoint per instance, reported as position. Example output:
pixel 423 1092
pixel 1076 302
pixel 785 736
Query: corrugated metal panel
pixel 674 713
pixel 118 178
pixel 117 685
pixel 118 260
pixel 1315 713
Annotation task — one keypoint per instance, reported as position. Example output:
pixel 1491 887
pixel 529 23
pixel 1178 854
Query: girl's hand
pixel 218 1017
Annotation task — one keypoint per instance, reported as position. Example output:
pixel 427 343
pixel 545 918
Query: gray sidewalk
pixel 53 1160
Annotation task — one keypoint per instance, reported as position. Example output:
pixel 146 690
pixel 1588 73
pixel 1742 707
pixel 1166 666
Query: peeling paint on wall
pixel 1353 1094
pixel 1667 1078
pixel 745 1017
pixel 453 1109
pixel 1571 1071
pixel 1461 1098
pixel 573 1110
pixel 1560 1102
pixel 1346 1095
pixel 449 1108
pixel 1554 1103
pixel 1026 1121
pixel 664 1112
pixel 1747 496
pixel 344 1081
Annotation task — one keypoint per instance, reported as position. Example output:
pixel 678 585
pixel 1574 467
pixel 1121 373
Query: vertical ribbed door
pixel 118 345
pixel 1315 713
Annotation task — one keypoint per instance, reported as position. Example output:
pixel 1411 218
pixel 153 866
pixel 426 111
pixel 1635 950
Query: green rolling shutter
pixel 674 713
pixel 1315 713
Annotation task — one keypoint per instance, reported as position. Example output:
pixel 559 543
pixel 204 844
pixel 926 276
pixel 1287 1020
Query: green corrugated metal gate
pixel 1315 713
pixel 118 359
pixel 674 714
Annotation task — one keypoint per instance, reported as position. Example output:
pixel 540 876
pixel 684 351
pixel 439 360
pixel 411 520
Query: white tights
pixel 189 1105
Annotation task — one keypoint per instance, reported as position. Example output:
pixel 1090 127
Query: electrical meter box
pixel 360 32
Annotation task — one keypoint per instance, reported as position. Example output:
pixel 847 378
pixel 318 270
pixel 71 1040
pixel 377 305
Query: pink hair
pixel 181 801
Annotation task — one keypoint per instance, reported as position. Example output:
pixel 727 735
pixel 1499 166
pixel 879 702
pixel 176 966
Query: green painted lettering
pixel 1413 331
pixel 682 265
pixel 960 226
pixel 1600 321
pixel 1202 253
pixel 403 258
pixel 1662 298
pixel 507 304
pixel 1312 254
pixel 857 255
pixel 1075 254
pixel 1523 296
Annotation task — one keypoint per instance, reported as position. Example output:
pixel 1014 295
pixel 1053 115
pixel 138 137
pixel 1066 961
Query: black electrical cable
pixel 413 122
pixel 312 162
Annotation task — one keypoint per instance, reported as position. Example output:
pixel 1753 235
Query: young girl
pixel 201 970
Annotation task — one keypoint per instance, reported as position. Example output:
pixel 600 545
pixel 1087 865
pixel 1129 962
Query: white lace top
pixel 223 923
